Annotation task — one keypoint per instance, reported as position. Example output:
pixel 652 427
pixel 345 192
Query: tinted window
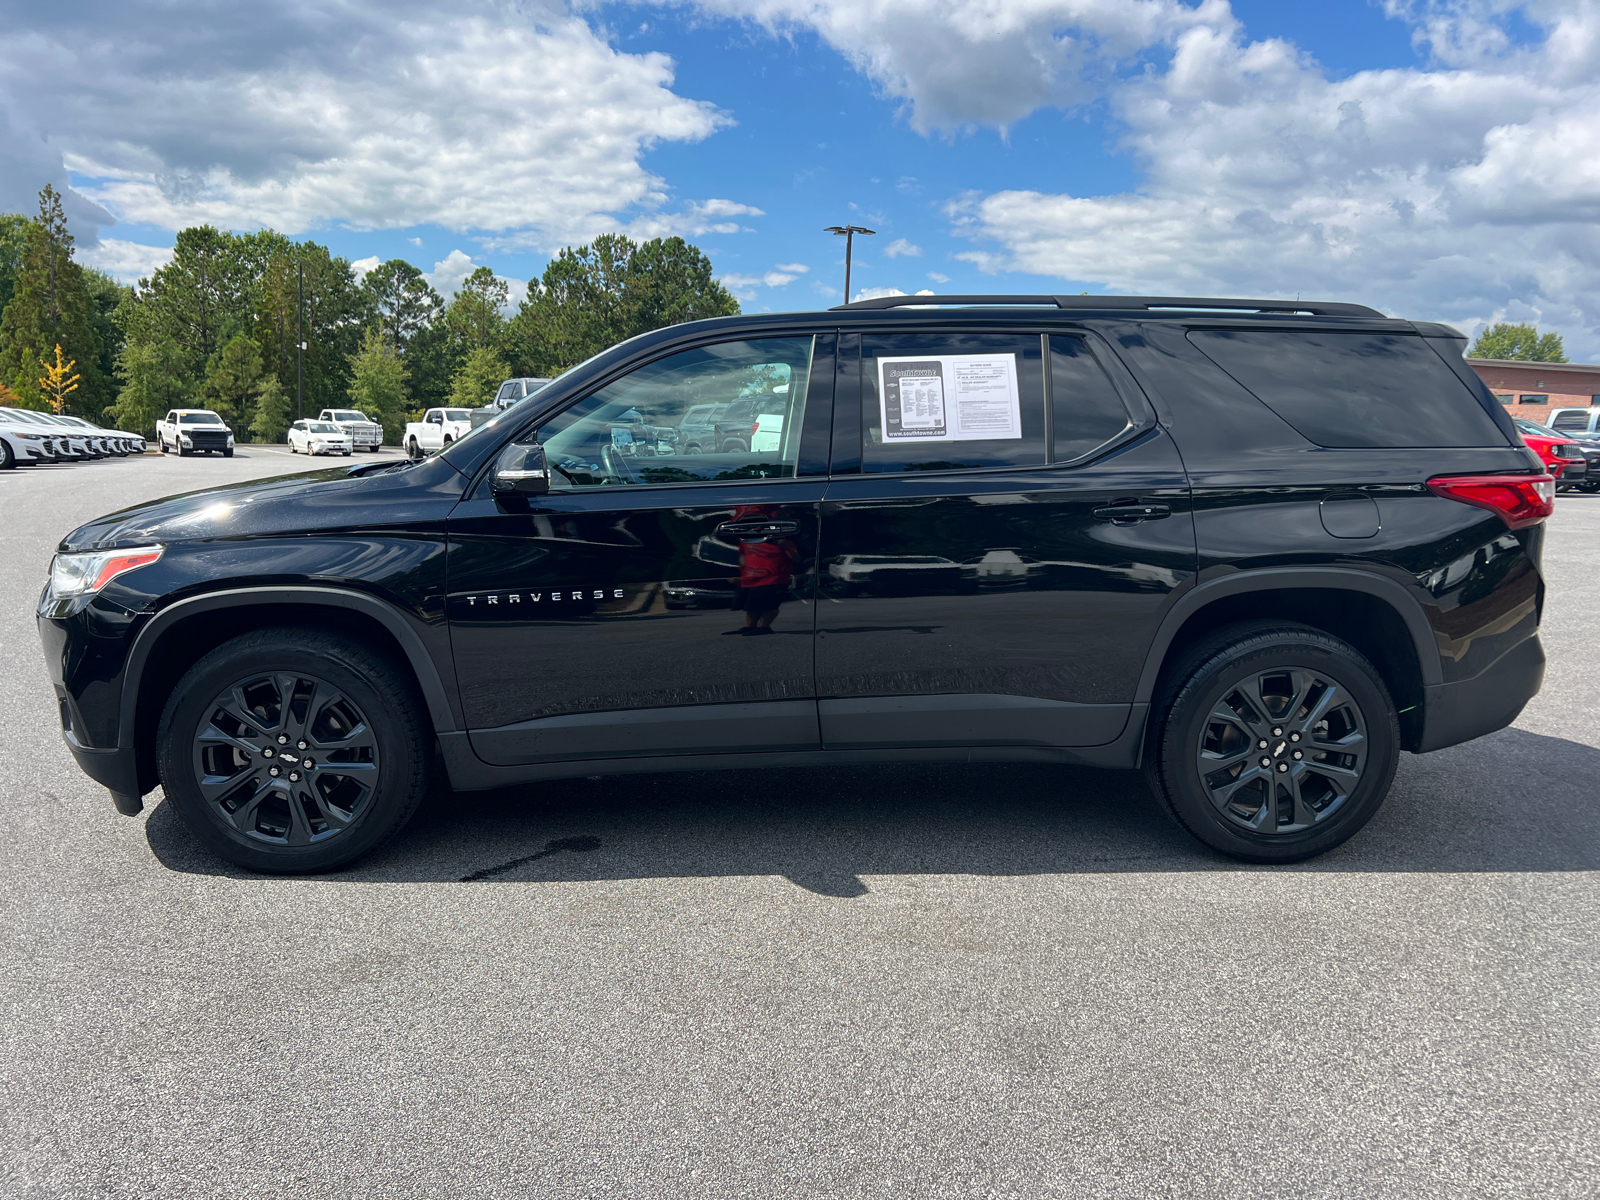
pixel 940 401
pixel 204 418
pixel 1354 389
pixel 1570 420
pixel 1533 399
pixel 1086 411
pixel 629 431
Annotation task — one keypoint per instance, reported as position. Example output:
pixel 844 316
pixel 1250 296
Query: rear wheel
pixel 413 451
pixel 7 458
pixel 1273 742
pixel 292 750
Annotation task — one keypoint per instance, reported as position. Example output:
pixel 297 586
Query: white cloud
pixel 483 117
pixel 362 265
pixel 877 293
pixel 449 273
pixel 1463 195
pixel 744 287
pixel 127 262
pixel 900 247
pixel 956 63
pixel 938 278
pixel 416 241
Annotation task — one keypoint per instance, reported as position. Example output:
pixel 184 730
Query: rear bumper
pixel 1469 708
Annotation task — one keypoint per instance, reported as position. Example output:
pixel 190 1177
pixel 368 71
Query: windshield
pixel 323 427
pixel 1526 426
pixel 23 414
pixel 346 415
pixel 202 418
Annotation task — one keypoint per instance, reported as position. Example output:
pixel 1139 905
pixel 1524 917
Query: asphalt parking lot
pixel 893 982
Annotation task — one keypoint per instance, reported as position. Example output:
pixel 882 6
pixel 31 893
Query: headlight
pixel 230 439
pixel 86 573
pixel 29 437
pixel 184 438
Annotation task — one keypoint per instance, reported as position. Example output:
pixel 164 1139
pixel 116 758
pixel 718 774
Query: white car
pixel 21 444
pixel 69 443
pixel 194 431
pixel 317 437
pixel 115 441
pixel 365 434
pixel 438 428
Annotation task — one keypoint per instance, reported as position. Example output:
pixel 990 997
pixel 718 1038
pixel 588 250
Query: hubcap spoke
pixel 1277 774
pixel 234 761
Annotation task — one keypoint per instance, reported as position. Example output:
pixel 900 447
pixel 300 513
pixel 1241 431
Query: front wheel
pixel 1273 742
pixel 413 451
pixel 228 453
pixel 293 750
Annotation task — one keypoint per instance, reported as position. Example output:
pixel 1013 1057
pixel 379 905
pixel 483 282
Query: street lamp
pixel 849 232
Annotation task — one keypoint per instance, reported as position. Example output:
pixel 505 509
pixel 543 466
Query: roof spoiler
pixel 1314 308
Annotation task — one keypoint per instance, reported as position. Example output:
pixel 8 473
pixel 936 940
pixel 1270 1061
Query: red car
pixel 1558 453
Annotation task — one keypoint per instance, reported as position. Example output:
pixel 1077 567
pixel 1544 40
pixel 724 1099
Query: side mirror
pixel 520 471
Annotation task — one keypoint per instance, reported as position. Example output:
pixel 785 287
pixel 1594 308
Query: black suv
pixel 1256 548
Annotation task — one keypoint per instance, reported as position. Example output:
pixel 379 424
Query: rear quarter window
pixel 1349 390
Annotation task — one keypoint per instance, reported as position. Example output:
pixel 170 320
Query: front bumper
pixel 1469 708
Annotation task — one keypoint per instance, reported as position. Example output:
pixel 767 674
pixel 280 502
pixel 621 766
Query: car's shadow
pixel 1514 801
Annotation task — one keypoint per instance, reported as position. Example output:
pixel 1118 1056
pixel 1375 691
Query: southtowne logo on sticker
pixel 913 399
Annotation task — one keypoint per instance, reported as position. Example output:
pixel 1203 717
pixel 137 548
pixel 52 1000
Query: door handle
pixel 1130 512
pixel 759 528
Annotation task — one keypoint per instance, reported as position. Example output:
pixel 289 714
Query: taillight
pixel 1520 500
pixel 754 428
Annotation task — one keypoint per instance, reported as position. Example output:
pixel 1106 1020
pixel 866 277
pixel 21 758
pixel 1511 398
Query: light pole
pixel 300 345
pixel 849 232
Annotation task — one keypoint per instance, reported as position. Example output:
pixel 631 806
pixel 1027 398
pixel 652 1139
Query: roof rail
pixel 1315 308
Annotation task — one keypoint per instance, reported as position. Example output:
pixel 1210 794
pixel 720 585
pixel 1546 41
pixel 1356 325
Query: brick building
pixel 1533 389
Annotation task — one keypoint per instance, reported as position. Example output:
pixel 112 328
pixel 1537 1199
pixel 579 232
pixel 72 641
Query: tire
pixel 8 458
pixel 228 453
pixel 413 451
pixel 1272 677
pixel 447 439
pixel 247 816
pixel 183 453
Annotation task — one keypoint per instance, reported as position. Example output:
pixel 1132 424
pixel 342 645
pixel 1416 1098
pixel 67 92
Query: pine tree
pixel 478 378
pixel 272 416
pixel 474 314
pixel 378 384
pixel 233 380
pixel 50 305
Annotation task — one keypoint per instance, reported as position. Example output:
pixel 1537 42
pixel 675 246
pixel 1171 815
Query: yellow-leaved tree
pixel 57 382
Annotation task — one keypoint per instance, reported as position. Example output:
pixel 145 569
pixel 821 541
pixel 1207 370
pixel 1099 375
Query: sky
pixel 1437 159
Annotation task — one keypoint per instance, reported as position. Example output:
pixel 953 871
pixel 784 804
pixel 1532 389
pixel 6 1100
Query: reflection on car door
pixel 1002 590
pixel 609 619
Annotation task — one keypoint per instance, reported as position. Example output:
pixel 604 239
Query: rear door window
pixel 948 401
pixel 1086 411
pixel 1571 421
pixel 1353 389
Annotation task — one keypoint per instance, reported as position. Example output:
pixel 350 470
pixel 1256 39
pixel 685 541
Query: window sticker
pixel 949 398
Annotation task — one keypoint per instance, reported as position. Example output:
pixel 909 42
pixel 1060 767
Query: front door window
pixel 721 413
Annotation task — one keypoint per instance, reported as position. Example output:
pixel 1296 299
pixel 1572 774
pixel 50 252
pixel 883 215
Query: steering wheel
pixel 616 465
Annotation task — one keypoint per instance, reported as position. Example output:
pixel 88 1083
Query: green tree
pixel 49 306
pixel 13 245
pixel 233 380
pixel 378 384
pixel 474 315
pixel 477 379
pixel 402 301
pixel 1521 343
pixel 597 295
pixel 153 381
pixel 273 412
pixel 106 295
pixel 432 358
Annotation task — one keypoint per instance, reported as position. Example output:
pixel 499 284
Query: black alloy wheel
pixel 292 750
pixel 1273 743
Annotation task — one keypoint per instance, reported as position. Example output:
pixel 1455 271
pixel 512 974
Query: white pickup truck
pixel 194 431
pixel 437 429
pixel 365 434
